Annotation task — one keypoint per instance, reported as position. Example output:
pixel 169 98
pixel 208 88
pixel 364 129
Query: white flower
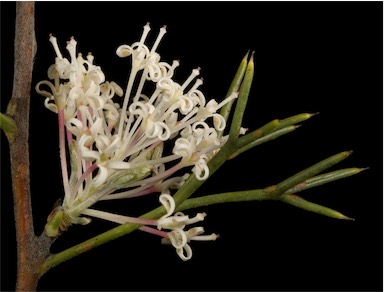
pixel 178 237
pixel 116 147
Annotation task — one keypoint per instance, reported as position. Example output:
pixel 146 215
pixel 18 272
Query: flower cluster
pixel 132 143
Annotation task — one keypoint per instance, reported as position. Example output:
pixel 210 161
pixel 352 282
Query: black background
pixel 310 57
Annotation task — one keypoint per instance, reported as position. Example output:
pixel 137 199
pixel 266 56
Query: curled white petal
pixel 174 182
pixel 195 231
pixel 169 204
pixel 44 92
pixel 96 75
pixel 184 253
pixel 166 69
pixel 157 129
pixel 53 73
pixel 219 122
pixel 102 142
pixel 172 222
pixel 96 127
pixel 184 147
pixel 49 104
pixel 111 113
pixel 85 140
pixel 124 51
pixel 201 170
pixel 197 96
pixel 118 90
pixel 64 68
pixel 76 93
pixel 89 155
pixel 178 238
pixel 154 72
pixel 101 176
pixel 141 109
pixel 186 105
pixel 75 126
pixel 186 132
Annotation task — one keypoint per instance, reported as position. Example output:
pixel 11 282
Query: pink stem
pixel 160 176
pixel 63 156
pixel 69 137
pixel 154 231
pixel 147 191
pixel 141 221
pixel 89 170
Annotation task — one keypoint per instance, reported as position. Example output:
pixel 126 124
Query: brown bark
pixel 31 250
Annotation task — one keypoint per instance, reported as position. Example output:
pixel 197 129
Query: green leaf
pixel 279 189
pixel 8 125
pixel 325 178
pixel 267 138
pixel 299 202
pixel 242 100
pixel 293 120
pixel 234 87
